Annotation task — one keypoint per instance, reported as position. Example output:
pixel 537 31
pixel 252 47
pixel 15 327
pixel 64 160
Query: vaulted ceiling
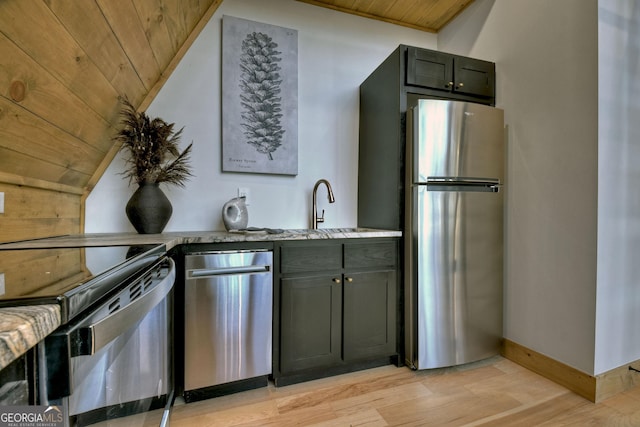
pixel 425 15
pixel 64 64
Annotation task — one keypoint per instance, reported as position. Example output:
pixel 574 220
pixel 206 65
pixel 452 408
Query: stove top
pixel 74 277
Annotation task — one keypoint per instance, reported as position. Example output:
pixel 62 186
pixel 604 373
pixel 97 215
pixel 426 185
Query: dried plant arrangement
pixel 152 145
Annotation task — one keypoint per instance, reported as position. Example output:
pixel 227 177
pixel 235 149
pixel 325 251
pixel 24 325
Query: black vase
pixel 149 209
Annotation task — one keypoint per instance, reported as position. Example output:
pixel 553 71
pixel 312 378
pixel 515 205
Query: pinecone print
pixel 260 90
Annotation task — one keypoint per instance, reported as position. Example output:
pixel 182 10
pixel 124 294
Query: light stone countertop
pixel 173 239
pixel 23 327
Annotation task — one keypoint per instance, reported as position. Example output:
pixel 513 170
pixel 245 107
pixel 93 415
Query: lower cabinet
pixel 337 307
pixel 311 316
pixel 369 323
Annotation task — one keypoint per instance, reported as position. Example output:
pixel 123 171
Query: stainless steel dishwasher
pixel 228 322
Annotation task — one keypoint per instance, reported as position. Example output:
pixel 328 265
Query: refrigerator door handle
pixel 486 187
pixel 462 180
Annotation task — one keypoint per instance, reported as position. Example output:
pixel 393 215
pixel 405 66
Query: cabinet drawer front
pixel 296 259
pixel 383 254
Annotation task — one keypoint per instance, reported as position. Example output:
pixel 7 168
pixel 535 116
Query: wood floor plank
pixel 380 398
pixel 339 392
pixel 146 419
pixel 233 416
pixel 451 381
pixel 451 410
pixel 626 402
pixel 494 392
pixel 319 414
pixel 526 387
pixel 370 418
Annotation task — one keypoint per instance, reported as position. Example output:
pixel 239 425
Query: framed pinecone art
pixel 259 97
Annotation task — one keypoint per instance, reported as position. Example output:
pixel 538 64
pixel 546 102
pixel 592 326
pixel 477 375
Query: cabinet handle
pixel 336 280
pixel 349 279
pixel 449 84
pixel 460 85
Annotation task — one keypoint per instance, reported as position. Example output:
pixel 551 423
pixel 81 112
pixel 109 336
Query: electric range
pixel 111 359
pixel 73 277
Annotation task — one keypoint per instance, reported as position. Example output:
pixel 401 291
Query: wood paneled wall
pixel 64 64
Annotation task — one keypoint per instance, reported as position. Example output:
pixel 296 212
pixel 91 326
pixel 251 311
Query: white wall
pixel 336 53
pixel 618 306
pixel 547 64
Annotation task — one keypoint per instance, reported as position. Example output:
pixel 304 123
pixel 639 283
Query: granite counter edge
pixel 23 327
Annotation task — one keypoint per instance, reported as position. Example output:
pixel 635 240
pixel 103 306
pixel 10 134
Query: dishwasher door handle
pixel 227 271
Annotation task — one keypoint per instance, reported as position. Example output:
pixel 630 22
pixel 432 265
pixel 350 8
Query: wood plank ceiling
pixel 425 15
pixel 65 64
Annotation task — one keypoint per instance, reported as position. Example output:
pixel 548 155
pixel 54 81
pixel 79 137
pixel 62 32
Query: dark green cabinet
pixel 369 317
pixel 369 293
pixel 450 73
pixel 405 76
pixel 337 307
pixel 311 316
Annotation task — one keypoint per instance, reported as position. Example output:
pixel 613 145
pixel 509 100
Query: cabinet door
pixel 369 314
pixel 310 320
pixel 429 68
pixel 474 77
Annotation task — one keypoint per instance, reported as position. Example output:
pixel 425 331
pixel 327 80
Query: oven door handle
pixel 95 334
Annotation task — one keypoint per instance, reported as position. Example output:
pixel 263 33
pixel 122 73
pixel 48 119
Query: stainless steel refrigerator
pixel 455 167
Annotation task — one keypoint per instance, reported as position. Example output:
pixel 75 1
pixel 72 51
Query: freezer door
pixel 453 139
pixel 457 274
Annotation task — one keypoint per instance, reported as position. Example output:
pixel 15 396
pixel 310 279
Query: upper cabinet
pixel 450 74
pixel 406 75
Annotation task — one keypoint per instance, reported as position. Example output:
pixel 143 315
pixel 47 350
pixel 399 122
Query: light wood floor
pixel 495 392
